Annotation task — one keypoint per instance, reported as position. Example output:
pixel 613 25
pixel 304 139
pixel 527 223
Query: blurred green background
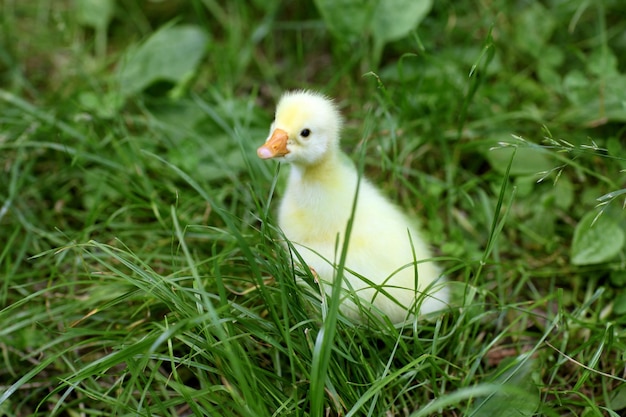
pixel 139 263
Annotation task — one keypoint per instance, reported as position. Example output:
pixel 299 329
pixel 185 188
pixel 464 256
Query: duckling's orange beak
pixel 275 146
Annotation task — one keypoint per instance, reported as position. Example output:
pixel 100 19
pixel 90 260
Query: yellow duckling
pixel 317 204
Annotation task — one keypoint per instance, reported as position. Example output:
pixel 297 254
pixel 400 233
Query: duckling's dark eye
pixel 305 133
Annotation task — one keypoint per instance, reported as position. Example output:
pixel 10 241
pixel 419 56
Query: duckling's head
pixel 305 129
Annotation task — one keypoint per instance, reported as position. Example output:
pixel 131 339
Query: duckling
pixel 384 244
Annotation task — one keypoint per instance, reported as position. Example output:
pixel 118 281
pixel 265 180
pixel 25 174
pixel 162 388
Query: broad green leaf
pixel 617 149
pixel 589 98
pixel 596 241
pixel 171 54
pixel 384 20
pixel 619 305
pixel 618 398
pixel 94 13
pixel 394 19
pixel 602 62
pixel 564 193
pixel 527 161
pixel 618 278
pixel 575 86
pixel 345 18
pixel 520 396
pixel 533 28
pixel 105 105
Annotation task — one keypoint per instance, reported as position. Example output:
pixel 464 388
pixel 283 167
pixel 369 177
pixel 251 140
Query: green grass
pixel 141 267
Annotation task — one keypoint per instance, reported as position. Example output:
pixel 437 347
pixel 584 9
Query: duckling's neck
pixel 328 170
pixel 318 199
